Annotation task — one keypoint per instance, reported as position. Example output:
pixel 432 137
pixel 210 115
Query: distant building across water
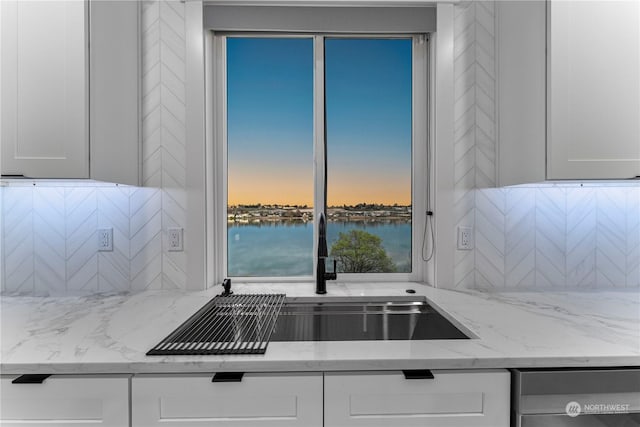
pixel 255 214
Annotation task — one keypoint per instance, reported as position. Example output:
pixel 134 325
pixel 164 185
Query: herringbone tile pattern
pixel 611 236
pixel 17 236
pixel 81 223
pixel 490 238
pixel 474 137
pixel 49 238
pixel 550 237
pixel 164 137
pixel 559 236
pixel 519 261
pixel 113 211
pixel 581 238
pixel 49 233
pixel 632 215
pixel 145 222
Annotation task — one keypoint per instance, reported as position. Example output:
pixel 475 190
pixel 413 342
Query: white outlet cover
pixel 175 237
pixel 465 238
pixel 105 239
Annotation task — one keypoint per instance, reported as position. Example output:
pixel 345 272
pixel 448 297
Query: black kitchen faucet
pixel 321 274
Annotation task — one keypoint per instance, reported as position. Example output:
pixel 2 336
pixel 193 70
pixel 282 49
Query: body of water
pixel 286 249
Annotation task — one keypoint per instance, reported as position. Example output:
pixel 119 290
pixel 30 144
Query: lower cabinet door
pixel 73 400
pixel 388 398
pixel 278 400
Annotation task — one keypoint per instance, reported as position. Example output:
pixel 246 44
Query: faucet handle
pixel 226 284
pixel 334 275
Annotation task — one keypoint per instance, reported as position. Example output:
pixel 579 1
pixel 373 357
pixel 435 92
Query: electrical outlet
pixel 105 239
pixel 175 239
pixel 465 238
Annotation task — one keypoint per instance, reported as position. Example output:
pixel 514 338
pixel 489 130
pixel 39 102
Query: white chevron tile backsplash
pixel 490 238
pixel 551 237
pixel 519 223
pixel 81 224
pixel 17 236
pixel 145 248
pixel 164 141
pixel 49 238
pixel 559 236
pixel 611 232
pixel 464 135
pixel 581 238
pixel 49 232
pixel 474 138
pixel 632 215
pixel 113 212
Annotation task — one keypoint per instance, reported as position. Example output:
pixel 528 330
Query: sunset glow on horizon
pixel 278 191
pixel 270 121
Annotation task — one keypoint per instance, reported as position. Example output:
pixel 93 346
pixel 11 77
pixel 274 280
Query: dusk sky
pixel 270 120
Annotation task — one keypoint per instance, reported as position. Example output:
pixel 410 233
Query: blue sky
pixel 368 103
pixel 270 120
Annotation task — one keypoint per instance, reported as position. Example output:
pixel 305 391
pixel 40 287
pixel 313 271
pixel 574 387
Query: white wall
pixel 475 129
pixel 49 235
pixel 554 236
pixel 533 236
pixel 574 235
pixel 163 126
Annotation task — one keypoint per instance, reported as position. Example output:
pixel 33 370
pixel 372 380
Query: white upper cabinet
pixel 44 89
pixel 594 90
pixel 114 57
pixel 520 42
pixel 69 89
pixel 568 90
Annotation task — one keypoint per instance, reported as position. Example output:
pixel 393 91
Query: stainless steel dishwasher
pixel 605 397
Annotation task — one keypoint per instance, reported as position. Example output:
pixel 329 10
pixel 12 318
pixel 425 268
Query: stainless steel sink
pixel 362 318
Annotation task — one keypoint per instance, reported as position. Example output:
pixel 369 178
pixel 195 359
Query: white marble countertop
pixel 111 334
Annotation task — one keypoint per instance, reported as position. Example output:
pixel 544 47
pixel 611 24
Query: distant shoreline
pixel 287 214
pixel 369 221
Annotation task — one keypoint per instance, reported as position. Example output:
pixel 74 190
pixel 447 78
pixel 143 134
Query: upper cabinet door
pixel 593 88
pixel 114 59
pixel 69 87
pixel 44 89
pixel 521 64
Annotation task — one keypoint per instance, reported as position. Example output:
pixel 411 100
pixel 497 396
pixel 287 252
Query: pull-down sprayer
pixel 321 274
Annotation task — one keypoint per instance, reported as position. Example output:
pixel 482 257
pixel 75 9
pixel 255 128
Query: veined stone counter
pixel 112 333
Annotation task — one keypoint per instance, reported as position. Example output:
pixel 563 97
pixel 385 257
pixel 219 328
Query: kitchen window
pixel 310 124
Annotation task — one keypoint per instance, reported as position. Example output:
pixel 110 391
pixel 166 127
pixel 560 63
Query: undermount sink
pixel 243 324
pixel 362 318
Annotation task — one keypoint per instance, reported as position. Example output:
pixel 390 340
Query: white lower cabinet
pixel 78 400
pixel 451 398
pixel 273 399
pixel 458 398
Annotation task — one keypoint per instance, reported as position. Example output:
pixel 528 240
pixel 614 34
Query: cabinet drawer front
pixel 68 400
pixel 257 400
pixel 451 398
